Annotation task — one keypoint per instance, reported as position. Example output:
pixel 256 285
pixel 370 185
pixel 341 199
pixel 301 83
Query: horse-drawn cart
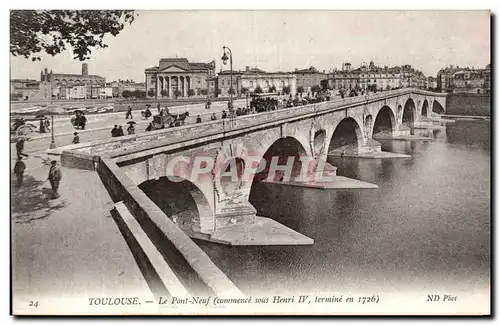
pixel 162 121
pixel 20 128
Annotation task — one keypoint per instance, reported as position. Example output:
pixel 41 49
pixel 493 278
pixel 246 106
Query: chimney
pixel 296 69
pixel 85 70
pixel 247 68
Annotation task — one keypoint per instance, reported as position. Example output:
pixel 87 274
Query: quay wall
pixel 468 104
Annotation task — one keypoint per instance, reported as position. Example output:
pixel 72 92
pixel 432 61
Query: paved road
pixel 67 249
pixel 99 127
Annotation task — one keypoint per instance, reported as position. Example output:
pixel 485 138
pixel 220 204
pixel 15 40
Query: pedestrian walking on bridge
pixel 54 178
pixel 20 147
pixel 129 112
pixel 114 131
pixel 19 170
pixel 76 138
pixel 42 126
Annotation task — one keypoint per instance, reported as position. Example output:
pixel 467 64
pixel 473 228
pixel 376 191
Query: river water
pixel 427 226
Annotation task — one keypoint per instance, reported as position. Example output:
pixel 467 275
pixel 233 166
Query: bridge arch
pixel 319 142
pixel 283 148
pixel 437 108
pixel 182 201
pixel 347 133
pixel 385 121
pixel 425 107
pixel 409 114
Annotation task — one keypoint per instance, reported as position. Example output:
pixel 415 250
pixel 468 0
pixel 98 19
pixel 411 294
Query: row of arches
pixel 186 200
pixel 436 108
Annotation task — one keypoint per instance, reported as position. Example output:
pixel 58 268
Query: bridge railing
pixel 151 139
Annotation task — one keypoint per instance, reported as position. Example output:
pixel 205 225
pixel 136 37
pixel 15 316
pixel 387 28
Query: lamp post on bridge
pixel 52 139
pixel 224 60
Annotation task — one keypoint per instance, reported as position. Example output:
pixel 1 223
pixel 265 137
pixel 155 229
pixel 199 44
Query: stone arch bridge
pixel 219 204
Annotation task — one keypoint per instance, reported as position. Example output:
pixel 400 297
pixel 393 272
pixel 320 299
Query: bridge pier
pixel 240 226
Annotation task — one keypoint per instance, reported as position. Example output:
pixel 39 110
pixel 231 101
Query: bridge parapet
pixel 140 142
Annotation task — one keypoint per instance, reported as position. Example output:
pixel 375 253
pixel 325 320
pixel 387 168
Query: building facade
pixel 431 83
pixel 224 82
pixel 118 87
pixel 76 91
pixel 58 80
pixel 307 78
pixel 372 76
pixel 464 80
pixel 178 77
pixel 23 89
pixel 252 78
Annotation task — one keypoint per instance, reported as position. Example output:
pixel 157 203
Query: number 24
pixel 34 303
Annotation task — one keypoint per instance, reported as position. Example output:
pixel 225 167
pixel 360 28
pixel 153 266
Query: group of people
pixel 117 130
pixel 44 125
pixel 264 104
pixel 239 112
pixel 54 177
pixel 79 121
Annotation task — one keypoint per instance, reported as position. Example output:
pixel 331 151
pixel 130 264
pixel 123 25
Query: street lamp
pixel 52 140
pixel 224 60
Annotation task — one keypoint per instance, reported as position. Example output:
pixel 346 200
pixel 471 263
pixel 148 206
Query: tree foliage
pixel 151 92
pixel 190 92
pixel 204 91
pixel 300 89
pixel 372 88
pixel 126 94
pixel 324 84
pixel 139 93
pixel 315 89
pixel 53 31
pixel 272 89
pixel 286 90
pixel 258 90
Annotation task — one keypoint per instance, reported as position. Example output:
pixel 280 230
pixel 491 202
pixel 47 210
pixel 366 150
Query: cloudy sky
pixel 284 40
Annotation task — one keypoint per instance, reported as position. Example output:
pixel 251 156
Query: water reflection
pixel 477 135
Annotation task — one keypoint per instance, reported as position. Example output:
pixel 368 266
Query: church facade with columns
pixel 175 77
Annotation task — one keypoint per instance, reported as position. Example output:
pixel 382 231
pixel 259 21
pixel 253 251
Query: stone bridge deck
pixel 223 213
pixel 133 146
pixel 307 130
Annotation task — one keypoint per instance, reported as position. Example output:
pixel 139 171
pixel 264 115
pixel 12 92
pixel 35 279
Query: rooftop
pixel 23 80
